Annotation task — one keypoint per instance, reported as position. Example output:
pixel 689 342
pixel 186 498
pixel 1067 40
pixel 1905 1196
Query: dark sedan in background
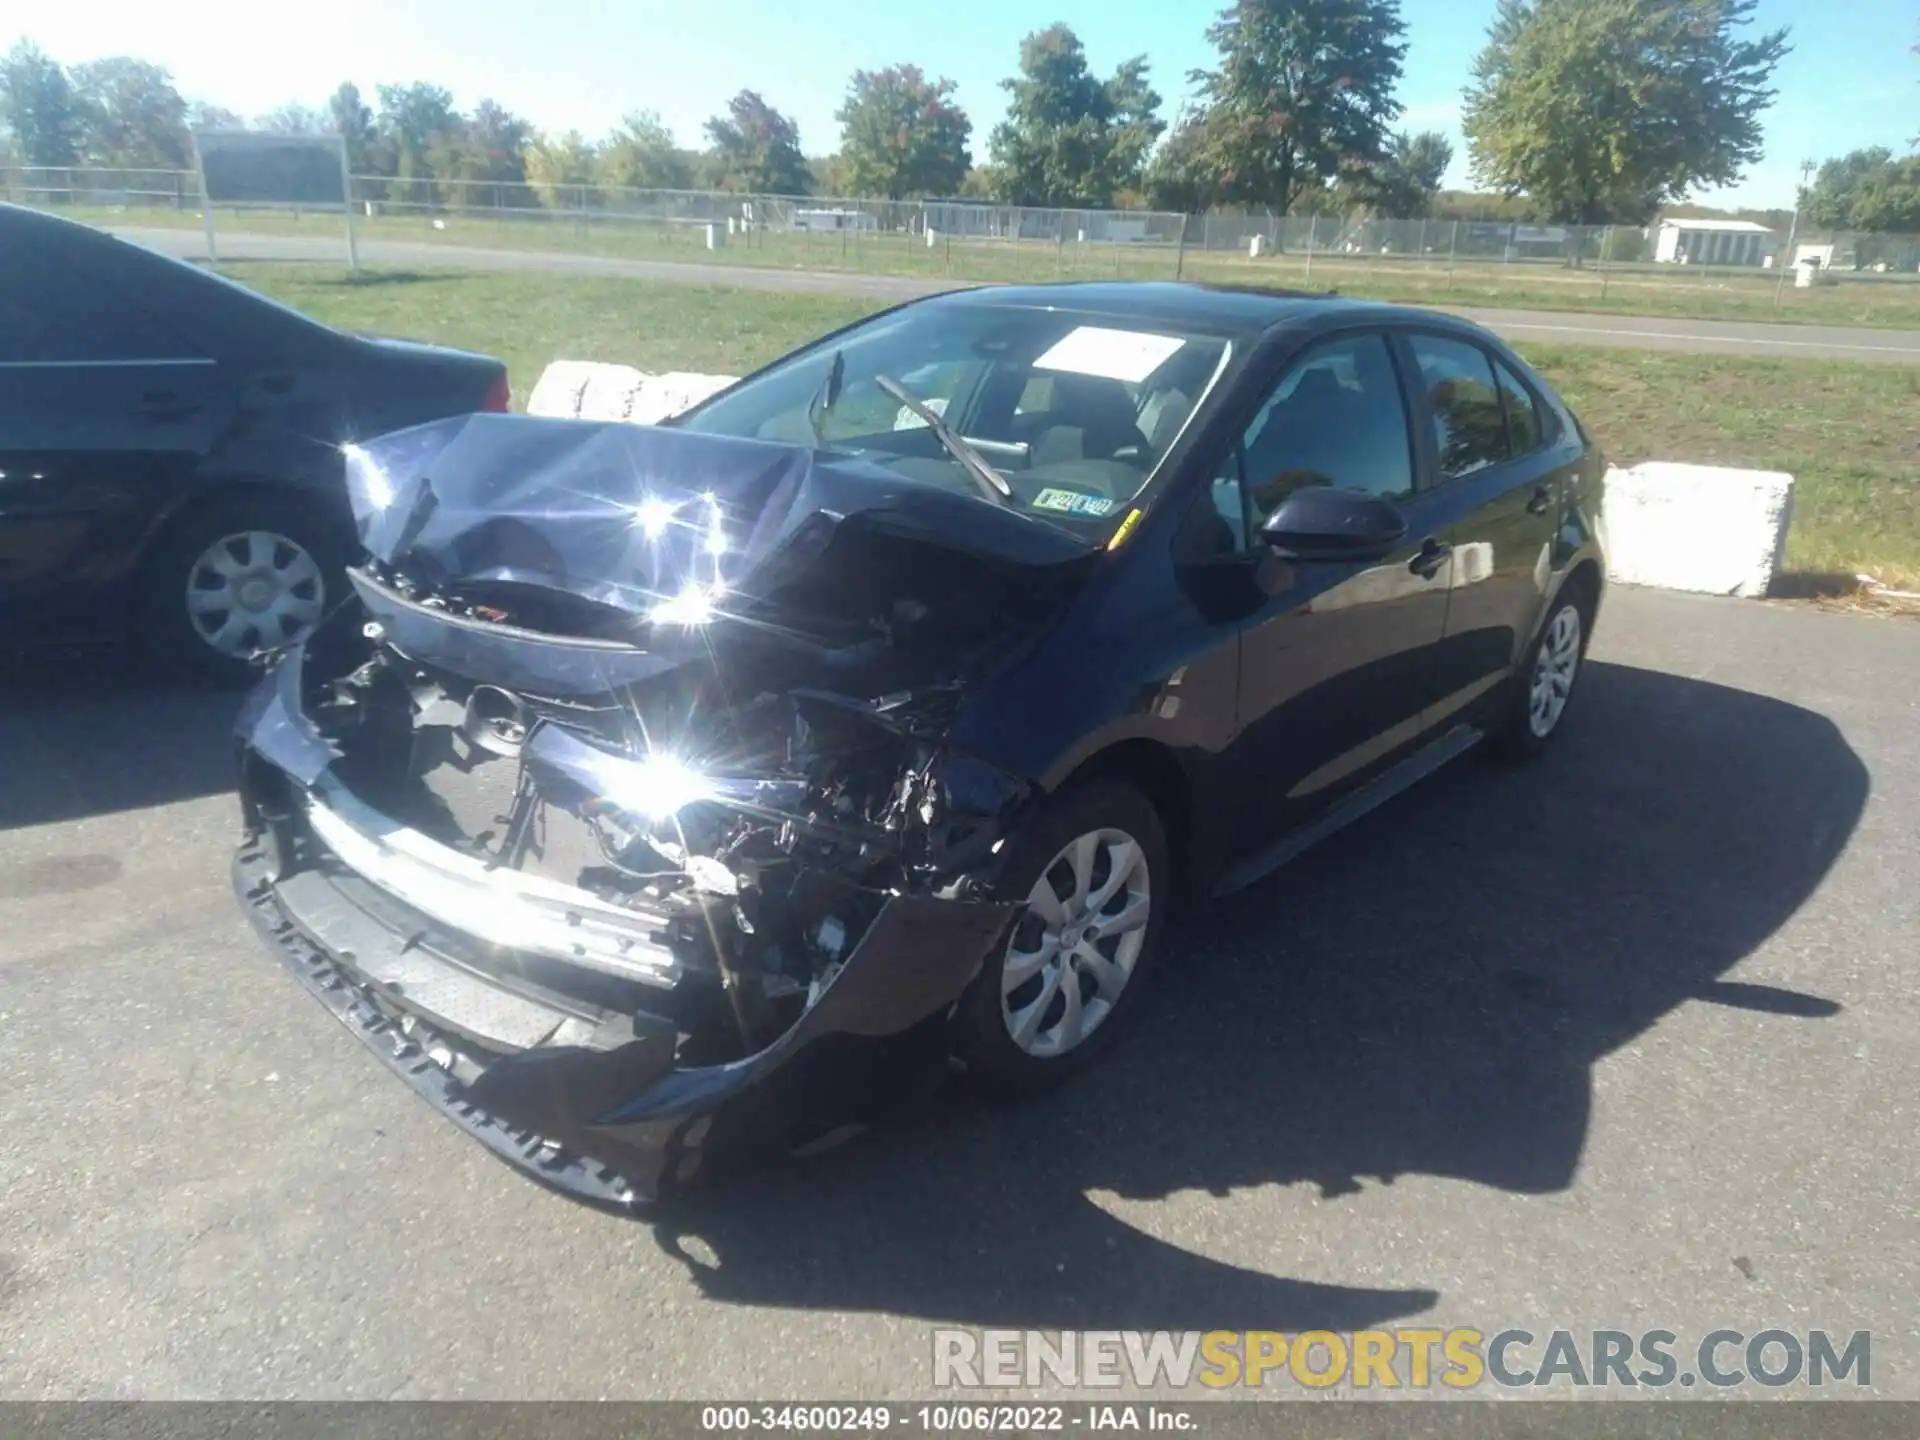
pixel 170 457
pixel 664 790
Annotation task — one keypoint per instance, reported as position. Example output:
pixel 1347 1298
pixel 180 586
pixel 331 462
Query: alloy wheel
pixel 1074 952
pixel 1553 670
pixel 253 590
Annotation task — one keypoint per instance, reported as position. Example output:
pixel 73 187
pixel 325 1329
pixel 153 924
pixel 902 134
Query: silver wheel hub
pixel 253 590
pixel 1073 953
pixel 1554 666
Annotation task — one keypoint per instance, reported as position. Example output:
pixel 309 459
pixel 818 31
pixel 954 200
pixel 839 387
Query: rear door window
pixel 50 316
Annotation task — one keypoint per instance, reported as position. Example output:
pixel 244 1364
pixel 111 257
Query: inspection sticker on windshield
pixel 1072 502
pixel 1130 355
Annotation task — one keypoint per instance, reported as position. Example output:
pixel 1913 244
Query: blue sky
pixel 1851 81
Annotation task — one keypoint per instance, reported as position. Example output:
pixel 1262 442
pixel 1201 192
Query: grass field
pixel 1847 432
pixel 1891 301
pixel 529 319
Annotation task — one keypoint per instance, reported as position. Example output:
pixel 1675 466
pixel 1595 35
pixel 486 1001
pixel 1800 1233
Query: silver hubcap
pixel 1553 670
pixel 253 590
pixel 1076 948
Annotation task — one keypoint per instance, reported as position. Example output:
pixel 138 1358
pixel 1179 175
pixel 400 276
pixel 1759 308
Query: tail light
pixel 499 395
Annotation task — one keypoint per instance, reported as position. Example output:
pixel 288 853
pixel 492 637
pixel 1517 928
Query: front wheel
pixel 1093 871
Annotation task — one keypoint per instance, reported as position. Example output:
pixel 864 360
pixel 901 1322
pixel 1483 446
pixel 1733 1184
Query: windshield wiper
pixel 984 475
pixel 826 397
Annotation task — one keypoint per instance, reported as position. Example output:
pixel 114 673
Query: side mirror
pixel 1322 523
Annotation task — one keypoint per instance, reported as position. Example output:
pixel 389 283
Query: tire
pixel 289 557
pixel 1543 686
pixel 1113 815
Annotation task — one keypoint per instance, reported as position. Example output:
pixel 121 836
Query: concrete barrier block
pixel 660 396
pixel 588 390
pixel 558 390
pixel 1708 528
pixel 609 391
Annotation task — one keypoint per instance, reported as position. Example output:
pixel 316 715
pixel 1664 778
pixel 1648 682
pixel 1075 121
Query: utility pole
pixel 1784 262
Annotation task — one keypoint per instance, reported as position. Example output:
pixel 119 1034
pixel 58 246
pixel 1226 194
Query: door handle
pixel 1431 557
pixel 1539 501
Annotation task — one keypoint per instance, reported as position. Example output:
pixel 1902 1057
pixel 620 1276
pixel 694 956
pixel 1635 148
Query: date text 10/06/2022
pixel 945 1419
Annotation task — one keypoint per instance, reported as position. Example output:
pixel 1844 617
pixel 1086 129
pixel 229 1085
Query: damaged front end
pixel 622 809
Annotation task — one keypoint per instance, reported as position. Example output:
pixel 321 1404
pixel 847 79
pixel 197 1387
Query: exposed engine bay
pixel 763 797
pixel 668 751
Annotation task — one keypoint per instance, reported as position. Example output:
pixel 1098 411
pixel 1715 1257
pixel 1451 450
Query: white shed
pixel 1713 242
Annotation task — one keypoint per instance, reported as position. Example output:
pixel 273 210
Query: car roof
pixel 43 228
pixel 58 234
pixel 22 217
pixel 1236 309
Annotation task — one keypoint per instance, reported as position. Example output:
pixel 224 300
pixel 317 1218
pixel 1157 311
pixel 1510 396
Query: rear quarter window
pixel 51 314
pixel 1528 427
pixel 1469 422
pixel 223 316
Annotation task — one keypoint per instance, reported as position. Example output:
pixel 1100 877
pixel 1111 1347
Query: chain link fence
pixel 1671 248
pixel 1684 267
pixel 962 238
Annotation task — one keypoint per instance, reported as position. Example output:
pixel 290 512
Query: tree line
pixel 1580 111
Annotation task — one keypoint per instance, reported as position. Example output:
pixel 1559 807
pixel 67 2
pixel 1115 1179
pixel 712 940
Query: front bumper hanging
pixel 508 1002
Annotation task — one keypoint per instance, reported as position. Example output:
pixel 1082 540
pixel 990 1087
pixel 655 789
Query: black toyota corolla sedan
pixel 669 792
pixel 170 446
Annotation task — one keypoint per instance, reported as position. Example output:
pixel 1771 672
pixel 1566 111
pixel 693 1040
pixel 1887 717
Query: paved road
pixel 1640 332
pixel 1629 1038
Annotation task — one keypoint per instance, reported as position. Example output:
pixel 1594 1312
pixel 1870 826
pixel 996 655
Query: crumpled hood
pixel 628 515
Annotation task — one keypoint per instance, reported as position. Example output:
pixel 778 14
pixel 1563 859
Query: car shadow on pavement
pixel 1425 994
pixel 96 730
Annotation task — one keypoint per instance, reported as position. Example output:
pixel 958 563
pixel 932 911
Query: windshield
pixel 1073 412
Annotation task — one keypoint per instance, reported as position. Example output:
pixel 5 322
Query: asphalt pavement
pixel 1641 332
pixel 1627 1038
